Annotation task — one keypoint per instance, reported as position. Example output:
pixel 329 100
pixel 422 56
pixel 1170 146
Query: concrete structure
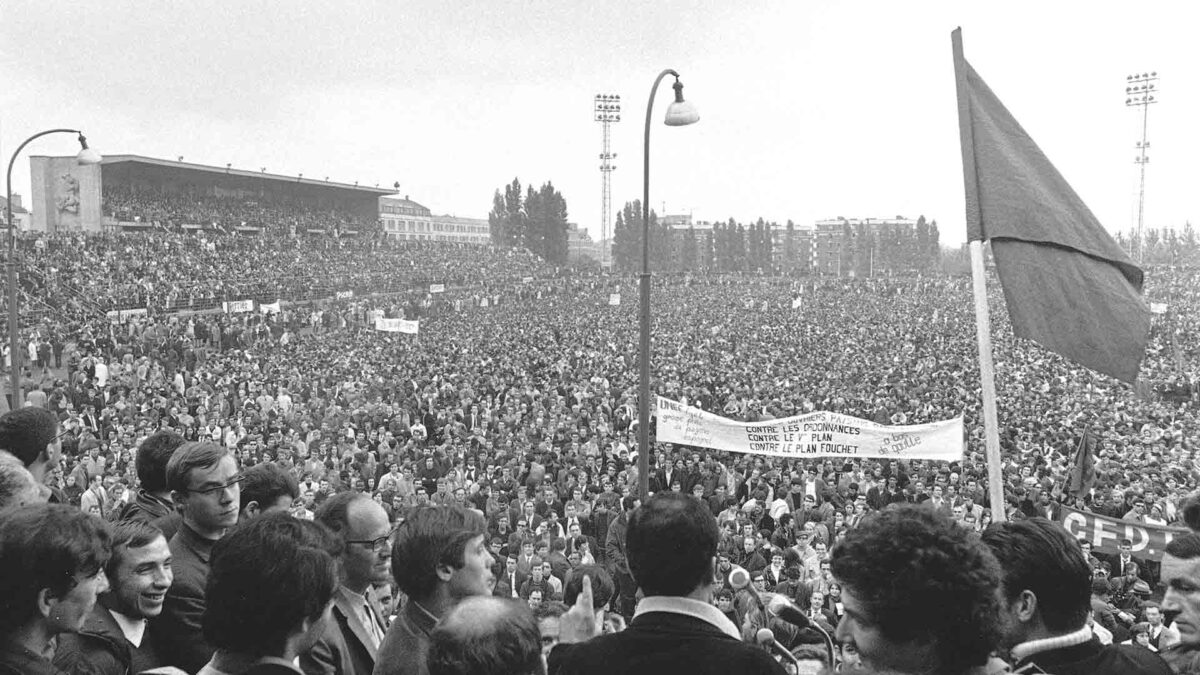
pixel 836 240
pixel 404 219
pixel 580 245
pixel 21 216
pixel 66 195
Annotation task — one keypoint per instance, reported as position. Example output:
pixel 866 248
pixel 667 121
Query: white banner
pixel 1158 308
pixel 397 326
pixel 269 308
pixel 344 295
pixel 817 434
pixel 527 280
pixel 121 314
pixel 437 288
pixel 239 306
pixel 797 302
pixel 614 298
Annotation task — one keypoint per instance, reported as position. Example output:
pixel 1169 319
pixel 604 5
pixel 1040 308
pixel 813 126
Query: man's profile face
pixel 1182 578
pixel 878 652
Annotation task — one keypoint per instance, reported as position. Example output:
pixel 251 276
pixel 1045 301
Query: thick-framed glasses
pixel 380 543
pixel 217 489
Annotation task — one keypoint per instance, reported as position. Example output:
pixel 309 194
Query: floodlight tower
pixel 606 110
pixel 1140 91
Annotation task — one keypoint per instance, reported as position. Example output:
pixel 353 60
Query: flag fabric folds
pixel 1067 284
pixel 1082 474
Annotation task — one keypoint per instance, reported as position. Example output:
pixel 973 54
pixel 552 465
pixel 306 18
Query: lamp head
pixel 681 113
pixel 86 156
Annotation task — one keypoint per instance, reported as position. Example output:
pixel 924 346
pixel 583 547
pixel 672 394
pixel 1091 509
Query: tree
pixel 688 254
pixel 789 246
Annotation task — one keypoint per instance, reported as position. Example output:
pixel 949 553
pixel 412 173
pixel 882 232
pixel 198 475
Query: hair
pixel 487 636
pixel 44 546
pixel 129 534
pixel 1186 547
pixel 1039 556
pixel 152 458
pixel 190 456
pixel 266 483
pixel 921 576
pixel 16 483
pixel 25 432
pixel 603 588
pixel 267 575
pixel 551 609
pixel 429 537
pixel 671 541
pixel 334 512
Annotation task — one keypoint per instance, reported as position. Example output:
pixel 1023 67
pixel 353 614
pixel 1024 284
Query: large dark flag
pixel 1082 475
pixel 1067 284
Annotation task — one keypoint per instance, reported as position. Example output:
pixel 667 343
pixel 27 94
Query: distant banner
pixel 269 308
pixel 239 306
pixel 344 295
pixel 797 302
pixel 527 280
pixel 614 298
pixel 122 314
pixel 397 326
pixel 1104 533
pixel 437 288
pixel 817 434
pixel 1158 308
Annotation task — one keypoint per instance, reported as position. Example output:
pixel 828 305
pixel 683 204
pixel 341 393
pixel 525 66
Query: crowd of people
pixel 512 412
pixel 172 210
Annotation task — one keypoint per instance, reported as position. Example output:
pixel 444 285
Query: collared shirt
pixel 362 607
pixel 1028 649
pixel 688 607
pixel 133 629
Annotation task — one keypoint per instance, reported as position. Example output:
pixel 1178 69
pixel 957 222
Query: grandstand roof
pixel 229 171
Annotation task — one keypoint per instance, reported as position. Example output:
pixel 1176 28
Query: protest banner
pixel 269 308
pixel 614 298
pixel 344 295
pixel 1104 533
pixel 1158 308
pixel 797 302
pixel 527 280
pixel 122 314
pixel 397 326
pixel 437 288
pixel 238 306
pixel 816 434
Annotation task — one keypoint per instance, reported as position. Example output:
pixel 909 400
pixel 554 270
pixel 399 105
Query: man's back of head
pixel 671 541
pixel 486 635
pixel 28 433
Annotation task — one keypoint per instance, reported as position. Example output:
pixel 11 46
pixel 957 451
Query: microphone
pixel 739 579
pixel 766 637
pixel 784 609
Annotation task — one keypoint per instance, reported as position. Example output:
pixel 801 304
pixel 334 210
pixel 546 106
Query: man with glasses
pixel 350 643
pixel 206 489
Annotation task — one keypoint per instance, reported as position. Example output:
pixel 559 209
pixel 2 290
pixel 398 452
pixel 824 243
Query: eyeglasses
pixel 217 489
pixel 380 543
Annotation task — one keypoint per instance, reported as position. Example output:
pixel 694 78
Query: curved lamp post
pixel 85 157
pixel 679 113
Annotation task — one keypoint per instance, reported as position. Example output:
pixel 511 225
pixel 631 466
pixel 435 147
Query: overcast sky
pixel 809 110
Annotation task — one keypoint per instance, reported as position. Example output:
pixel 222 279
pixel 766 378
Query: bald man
pixel 487 635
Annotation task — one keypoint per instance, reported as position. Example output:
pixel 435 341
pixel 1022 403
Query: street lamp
pixel 679 113
pixel 86 156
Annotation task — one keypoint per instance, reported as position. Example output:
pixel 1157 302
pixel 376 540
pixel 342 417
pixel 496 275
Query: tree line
pixel 535 219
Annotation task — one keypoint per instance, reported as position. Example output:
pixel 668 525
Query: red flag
pixel 1067 283
pixel 1083 470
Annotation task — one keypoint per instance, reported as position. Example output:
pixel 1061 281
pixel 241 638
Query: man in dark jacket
pixel 113 639
pixel 153 500
pixel 1046 598
pixel 672 547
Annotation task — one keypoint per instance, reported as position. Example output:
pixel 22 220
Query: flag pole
pixel 983 327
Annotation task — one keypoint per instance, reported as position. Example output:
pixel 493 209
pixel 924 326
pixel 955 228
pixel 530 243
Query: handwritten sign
pixel 397 326
pixel 817 434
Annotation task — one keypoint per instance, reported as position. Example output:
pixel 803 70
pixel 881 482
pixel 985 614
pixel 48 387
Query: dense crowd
pixel 173 210
pixel 518 400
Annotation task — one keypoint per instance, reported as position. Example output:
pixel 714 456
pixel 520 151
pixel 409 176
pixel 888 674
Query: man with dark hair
pixel 18 487
pixel 918 591
pixel 266 488
pixel 439 558
pixel 205 487
pixel 603 588
pixel 269 595
pixel 52 559
pixel 487 636
pixel 351 641
pixel 671 544
pixel 113 636
pixel 153 500
pixel 32 436
pixel 1181 574
pixel 1044 603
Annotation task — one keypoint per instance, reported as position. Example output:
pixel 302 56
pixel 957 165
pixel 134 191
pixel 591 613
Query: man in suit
pixel 206 487
pixel 671 546
pixel 508 584
pixel 350 643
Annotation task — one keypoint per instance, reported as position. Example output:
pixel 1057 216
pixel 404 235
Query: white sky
pixel 809 110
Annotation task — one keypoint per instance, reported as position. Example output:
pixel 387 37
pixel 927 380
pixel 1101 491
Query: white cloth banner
pixel 527 280
pixel 397 326
pixel 122 314
pixel 1158 308
pixel 437 288
pixel 614 298
pixel 816 434
pixel 797 302
pixel 271 308
pixel 239 306
pixel 344 295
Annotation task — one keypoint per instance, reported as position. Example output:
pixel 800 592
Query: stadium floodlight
pixel 85 157
pixel 679 113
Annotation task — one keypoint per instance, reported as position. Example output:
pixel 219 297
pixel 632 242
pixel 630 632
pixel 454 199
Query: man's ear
pixel 45 600
pixel 444 571
pixel 251 509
